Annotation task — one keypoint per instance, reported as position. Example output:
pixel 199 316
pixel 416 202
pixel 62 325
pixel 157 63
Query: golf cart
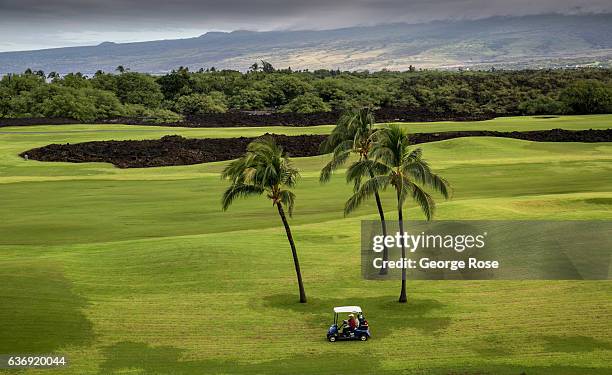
pixel 344 332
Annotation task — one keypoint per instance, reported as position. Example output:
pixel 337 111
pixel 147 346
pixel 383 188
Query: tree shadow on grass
pixel 490 346
pixel 142 358
pixel 522 370
pixel 39 312
pixel 575 344
pixel 496 346
pixel 384 315
pixel 126 356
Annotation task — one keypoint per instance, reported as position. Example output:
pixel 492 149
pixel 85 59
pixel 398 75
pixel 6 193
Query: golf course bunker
pixel 176 150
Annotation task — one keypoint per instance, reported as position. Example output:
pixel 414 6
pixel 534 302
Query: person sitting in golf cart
pixel 352 322
pixel 354 328
pixel 361 320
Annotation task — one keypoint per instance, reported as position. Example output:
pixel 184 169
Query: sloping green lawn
pixel 139 272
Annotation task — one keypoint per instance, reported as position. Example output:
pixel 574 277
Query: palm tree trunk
pixel 296 262
pixel 383 224
pixel 402 298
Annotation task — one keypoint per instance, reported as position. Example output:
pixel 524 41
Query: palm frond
pixel 234 169
pixel 336 162
pixel 287 198
pixel 346 145
pixel 339 134
pixel 414 166
pixel 289 174
pixel 439 184
pixel 264 167
pixel 366 190
pixel 390 145
pixel 420 196
pixel 365 168
pixel 238 191
pixel 352 133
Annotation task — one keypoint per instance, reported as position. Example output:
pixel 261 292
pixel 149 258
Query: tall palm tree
pixel 394 164
pixel 265 169
pixel 354 134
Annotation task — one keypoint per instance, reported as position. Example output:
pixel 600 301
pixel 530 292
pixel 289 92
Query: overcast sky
pixel 31 24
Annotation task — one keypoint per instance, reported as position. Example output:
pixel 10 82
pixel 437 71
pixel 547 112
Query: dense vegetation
pixel 181 92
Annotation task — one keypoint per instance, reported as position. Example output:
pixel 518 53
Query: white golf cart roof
pixel 347 309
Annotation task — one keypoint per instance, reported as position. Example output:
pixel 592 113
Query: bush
pixel 282 88
pixel 156 116
pixel 5 102
pixel 104 81
pixel 248 100
pixel 588 96
pixel 159 116
pixel 18 83
pixel 307 103
pixel 542 105
pixel 74 80
pixel 69 102
pixel 199 104
pixel 137 88
pixel 106 103
pixel 23 105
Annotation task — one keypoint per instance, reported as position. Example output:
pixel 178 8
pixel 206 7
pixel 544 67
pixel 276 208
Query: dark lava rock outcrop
pixel 176 150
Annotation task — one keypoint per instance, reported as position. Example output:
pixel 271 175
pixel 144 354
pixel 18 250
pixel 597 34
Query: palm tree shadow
pixel 384 315
pixel 130 356
pixel 496 346
pixel 138 357
pixel 575 344
pixel 42 311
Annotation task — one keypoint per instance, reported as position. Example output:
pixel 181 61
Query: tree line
pixel 169 97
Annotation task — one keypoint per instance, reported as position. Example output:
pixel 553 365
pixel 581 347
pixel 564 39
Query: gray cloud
pixel 26 24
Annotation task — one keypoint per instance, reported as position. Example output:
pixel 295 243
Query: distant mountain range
pixel 503 42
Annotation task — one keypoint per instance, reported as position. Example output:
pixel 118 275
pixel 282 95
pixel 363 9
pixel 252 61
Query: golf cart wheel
pixel 332 338
pixel 363 337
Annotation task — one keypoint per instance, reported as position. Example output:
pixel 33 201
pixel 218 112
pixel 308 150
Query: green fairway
pixel 138 271
pixel 81 133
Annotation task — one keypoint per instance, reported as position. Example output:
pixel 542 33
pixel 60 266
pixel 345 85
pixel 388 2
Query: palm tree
pixel 354 134
pixel 265 169
pixel 393 164
pixel 121 69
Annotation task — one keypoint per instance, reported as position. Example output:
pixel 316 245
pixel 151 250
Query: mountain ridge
pixel 504 42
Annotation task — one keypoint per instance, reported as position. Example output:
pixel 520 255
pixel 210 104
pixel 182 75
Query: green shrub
pixel 74 80
pixel 542 105
pixel 69 102
pixel 5 102
pixel 248 99
pixel 307 103
pixel 156 116
pixel 138 88
pixel 199 104
pixel 159 116
pixel 588 96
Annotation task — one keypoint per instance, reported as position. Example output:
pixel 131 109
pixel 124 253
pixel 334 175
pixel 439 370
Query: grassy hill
pixel 138 271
